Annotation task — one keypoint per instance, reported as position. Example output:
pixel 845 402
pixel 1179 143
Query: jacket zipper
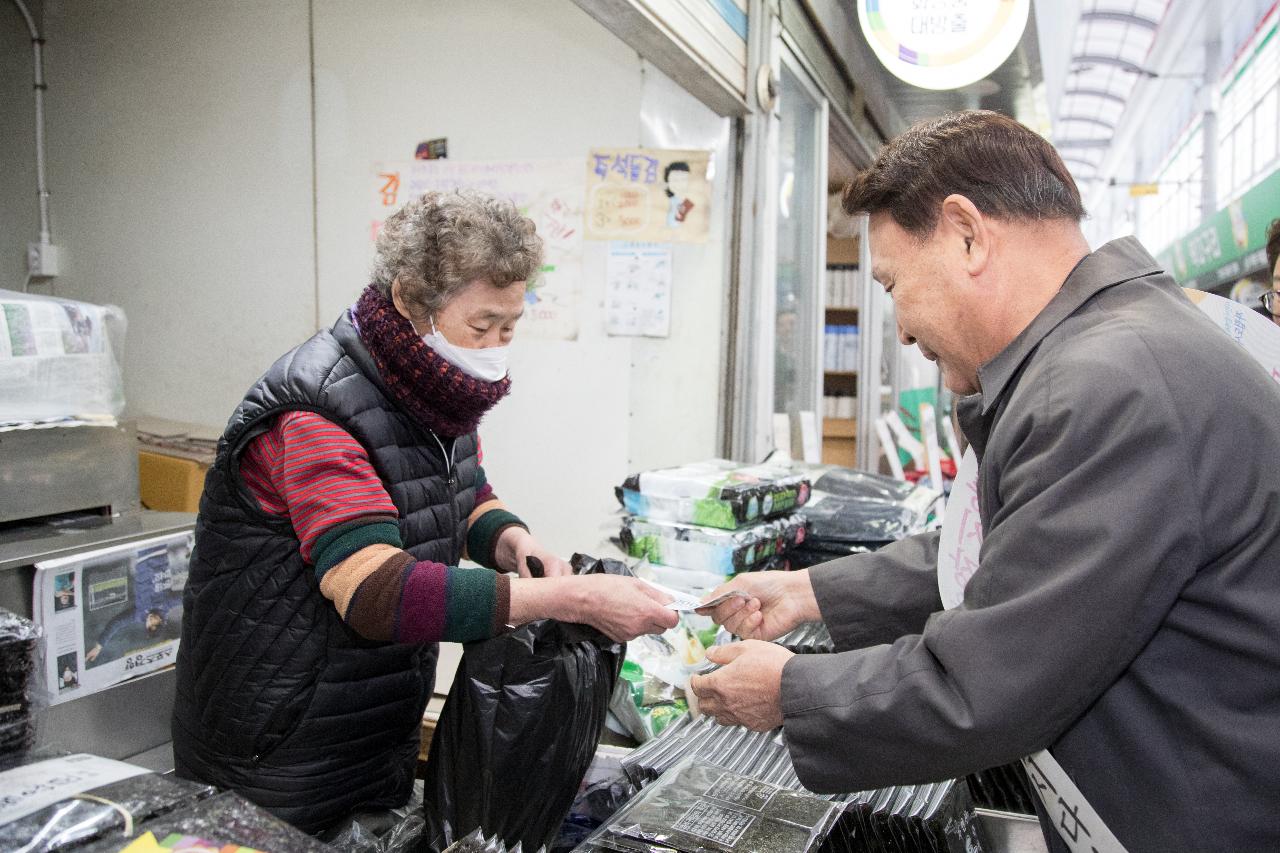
pixel 451 477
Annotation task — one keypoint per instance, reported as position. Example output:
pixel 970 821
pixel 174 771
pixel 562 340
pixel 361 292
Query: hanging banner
pixel 649 194
pixel 549 192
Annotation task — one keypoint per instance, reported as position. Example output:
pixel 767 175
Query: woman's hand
pixel 514 548
pixel 621 608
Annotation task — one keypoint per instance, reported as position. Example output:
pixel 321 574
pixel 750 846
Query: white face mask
pixel 489 363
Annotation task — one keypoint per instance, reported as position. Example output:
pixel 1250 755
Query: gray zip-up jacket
pixel 1126 609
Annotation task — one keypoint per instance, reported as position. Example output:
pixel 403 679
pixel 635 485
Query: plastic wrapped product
pixel 223 820
pixel 700 808
pixel 861 484
pixel 844 519
pixel 708 549
pixel 715 493
pixel 520 729
pixel 60 358
pixel 102 812
pixel 19 639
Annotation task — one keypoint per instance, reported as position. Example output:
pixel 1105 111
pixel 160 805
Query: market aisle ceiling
pixel 1113 40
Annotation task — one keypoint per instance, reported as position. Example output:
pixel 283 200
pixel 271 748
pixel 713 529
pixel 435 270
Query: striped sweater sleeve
pixel 312 471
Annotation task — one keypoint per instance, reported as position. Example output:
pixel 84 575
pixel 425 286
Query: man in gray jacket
pixel 1125 612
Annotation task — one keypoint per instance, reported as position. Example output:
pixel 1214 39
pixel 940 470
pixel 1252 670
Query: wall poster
pixel 549 192
pixel 648 194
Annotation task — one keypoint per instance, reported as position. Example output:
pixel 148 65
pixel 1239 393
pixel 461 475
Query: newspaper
pixel 110 615
pixel 58 358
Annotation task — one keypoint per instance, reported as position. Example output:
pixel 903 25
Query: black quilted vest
pixel 277 698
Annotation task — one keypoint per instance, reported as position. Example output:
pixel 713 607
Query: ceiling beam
pixel 1082 143
pixel 1096 93
pixel 1087 120
pixel 1121 18
pixel 1113 61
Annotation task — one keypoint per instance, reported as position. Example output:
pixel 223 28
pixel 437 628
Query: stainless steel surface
pixel 1011 833
pixel 119 722
pixel 65 469
pixel 25 544
pixel 158 759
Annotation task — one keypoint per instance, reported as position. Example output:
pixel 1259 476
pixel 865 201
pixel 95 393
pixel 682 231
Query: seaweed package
pixel 519 730
pixel 18 640
pixel 696 807
pixel 224 821
pixel 107 810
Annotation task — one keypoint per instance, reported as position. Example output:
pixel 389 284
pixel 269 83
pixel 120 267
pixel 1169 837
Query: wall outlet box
pixel 42 260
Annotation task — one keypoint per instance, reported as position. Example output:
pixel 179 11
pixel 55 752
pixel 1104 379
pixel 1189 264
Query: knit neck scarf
pixel 434 392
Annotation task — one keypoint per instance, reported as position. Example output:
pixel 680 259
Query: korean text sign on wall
pixel 656 195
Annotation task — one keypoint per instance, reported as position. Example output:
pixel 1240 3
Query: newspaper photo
pixel 111 614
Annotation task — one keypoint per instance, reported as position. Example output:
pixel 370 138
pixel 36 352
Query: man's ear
pixel 969 229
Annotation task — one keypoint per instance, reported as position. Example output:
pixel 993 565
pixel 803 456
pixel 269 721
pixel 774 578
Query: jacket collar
pixel 1114 263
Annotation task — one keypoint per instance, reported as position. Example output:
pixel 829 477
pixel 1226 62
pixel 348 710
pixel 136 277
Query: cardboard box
pixel 170 483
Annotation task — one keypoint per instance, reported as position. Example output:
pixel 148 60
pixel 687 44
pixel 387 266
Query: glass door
pixel 801 246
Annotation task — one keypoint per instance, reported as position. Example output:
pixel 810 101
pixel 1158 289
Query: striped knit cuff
pixel 502 605
pixel 436 602
pixel 346 539
pixel 482 537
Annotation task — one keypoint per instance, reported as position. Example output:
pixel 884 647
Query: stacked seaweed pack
pixel 931 818
pixel 18 639
pixel 699 524
pixel 853 512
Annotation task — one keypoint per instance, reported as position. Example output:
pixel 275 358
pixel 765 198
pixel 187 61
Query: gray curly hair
pixel 441 242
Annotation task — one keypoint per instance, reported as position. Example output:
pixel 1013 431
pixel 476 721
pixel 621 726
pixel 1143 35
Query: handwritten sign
pixel 649 194
pixel 550 192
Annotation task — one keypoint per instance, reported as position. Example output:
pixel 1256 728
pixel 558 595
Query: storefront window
pixel 800 195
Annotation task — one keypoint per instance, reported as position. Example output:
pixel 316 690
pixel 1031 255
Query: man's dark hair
pixel 1006 169
pixel 1273 245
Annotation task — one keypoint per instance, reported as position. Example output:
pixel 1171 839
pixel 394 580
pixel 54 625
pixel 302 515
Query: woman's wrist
pixel 546 598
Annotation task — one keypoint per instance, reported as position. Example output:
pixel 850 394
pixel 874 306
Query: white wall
pixel 181 154
pixel 19 211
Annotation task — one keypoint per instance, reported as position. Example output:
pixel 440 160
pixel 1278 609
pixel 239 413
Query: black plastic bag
pixel 519 730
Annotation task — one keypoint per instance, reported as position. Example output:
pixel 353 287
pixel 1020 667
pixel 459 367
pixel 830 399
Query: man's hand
pixel 516 545
pixel 747 690
pixel 92 655
pixel 779 602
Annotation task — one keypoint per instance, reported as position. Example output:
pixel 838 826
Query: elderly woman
pixel 346 489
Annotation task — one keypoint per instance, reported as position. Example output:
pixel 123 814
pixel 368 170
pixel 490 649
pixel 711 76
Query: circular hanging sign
pixel 942 44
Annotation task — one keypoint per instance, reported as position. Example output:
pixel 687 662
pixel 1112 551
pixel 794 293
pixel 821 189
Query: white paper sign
pixel 638 289
pixel 24 790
